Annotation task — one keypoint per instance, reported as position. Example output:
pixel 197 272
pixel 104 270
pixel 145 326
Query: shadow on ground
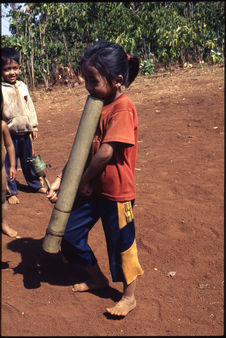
pixel 38 266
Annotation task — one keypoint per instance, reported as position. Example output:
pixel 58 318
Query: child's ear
pixel 120 81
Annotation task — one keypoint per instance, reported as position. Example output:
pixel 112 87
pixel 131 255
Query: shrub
pixel 147 66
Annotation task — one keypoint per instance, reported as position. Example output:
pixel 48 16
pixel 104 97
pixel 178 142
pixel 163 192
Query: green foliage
pixel 147 67
pixel 215 57
pixel 155 31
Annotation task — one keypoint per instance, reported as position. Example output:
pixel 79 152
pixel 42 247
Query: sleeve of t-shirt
pixel 120 128
pixel 31 108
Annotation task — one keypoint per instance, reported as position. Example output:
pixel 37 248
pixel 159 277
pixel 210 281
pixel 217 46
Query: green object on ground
pixel 39 166
pixel 37 163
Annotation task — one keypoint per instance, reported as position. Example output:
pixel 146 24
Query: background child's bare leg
pixel 126 303
pixel 97 280
pixel 5 228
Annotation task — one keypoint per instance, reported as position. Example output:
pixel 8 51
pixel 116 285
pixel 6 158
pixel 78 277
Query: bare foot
pixel 123 307
pixel 13 200
pixel 42 190
pixel 90 285
pixel 9 231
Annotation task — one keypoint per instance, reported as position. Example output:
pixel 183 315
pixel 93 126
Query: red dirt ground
pixel 179 215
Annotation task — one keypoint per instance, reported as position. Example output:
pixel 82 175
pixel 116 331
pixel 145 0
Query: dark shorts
pixel 23 150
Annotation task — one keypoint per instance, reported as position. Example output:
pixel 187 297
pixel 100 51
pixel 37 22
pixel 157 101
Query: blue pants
pixel 119 229
pixel 23 150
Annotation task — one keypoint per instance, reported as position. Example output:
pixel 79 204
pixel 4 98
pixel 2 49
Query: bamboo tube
pixel 72 174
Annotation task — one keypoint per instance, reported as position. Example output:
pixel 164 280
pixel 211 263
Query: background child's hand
pixel 12 173
pixel 53 191
pixel 34 135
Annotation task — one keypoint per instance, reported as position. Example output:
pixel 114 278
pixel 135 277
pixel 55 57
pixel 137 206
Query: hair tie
pixel 128 57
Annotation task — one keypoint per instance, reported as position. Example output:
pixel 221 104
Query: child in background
pixel 20 115
pixel 8 147
pixel 107 188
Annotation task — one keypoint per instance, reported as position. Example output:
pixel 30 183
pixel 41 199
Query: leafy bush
pixel 215 57
pixel 147 66
pixel 156 31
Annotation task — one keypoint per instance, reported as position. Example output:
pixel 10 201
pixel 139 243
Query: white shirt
pixel 18 109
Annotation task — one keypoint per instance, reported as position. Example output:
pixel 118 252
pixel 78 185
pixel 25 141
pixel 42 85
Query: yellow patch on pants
pixel 130 263
pixel 125 213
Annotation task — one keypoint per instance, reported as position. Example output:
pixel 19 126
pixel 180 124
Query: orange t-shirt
pixel 118 123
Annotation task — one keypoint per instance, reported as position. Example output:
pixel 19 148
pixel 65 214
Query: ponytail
pixel 133 69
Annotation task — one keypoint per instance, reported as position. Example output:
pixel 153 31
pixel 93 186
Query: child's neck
pixel 110 100
pixel 11 83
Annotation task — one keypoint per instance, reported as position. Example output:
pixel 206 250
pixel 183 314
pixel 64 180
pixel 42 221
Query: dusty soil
pixel 179 216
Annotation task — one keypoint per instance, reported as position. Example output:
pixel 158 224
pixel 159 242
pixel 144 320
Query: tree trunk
pixel 29 73
pixel 145 52
pixel 149 50
pixel 65 45
pixel 45 80
pixel 42 42
pixel 25 75
pixel 15 9
pixel 31 65
pixel 191 9
pixel 32 69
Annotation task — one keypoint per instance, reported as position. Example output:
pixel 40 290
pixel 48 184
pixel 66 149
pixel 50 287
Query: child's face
pixel 11 71
pixel 97 85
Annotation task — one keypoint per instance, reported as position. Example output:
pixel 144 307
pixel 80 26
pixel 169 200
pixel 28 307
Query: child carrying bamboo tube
pixel 107 187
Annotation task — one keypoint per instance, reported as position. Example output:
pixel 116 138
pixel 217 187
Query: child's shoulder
pixel 20 83
pixel 23 88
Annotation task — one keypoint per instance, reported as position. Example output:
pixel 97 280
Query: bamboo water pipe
pixel 72 174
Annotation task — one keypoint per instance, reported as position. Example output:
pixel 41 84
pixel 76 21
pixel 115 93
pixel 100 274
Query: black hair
pixel 9 54
pixel 111 61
